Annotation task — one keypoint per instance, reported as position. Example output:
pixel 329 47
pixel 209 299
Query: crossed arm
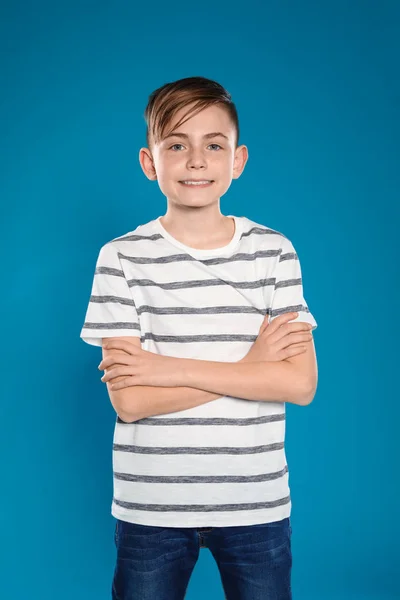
pixel 195 382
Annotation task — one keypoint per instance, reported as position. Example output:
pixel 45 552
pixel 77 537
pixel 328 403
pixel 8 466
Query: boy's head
pixel 196 107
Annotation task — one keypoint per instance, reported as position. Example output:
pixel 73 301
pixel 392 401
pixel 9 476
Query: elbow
pixel 125 413
pixel 305 394
pixel 126 418
pixel 121 401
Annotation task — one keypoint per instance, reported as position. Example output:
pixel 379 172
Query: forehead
pixel 212 118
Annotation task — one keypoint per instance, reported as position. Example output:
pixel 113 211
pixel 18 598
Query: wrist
pixel 178 368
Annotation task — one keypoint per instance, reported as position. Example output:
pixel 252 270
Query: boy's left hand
pixel 140 367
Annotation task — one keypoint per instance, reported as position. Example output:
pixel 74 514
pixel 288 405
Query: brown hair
pixel 168 99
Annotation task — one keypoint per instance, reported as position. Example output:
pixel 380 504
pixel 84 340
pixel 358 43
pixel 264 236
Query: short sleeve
pixel 111 311
pixel 288 294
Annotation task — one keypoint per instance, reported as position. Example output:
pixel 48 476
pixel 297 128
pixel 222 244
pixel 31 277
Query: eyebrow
pixel 206 135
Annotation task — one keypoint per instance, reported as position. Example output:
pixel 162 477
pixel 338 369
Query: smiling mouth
pixel 197 185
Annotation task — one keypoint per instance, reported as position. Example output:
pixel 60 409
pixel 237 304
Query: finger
pixel 288 329
pixel 291 339
pixel 128 382
pixel 105 347
pixel 298 326
pixel 294 350
pixel 275 325
pixel 264 324
pixel 112 380
pixel 282 319
pixel 119 359
pixel 117 372
pixel 120 345
pixel 108 362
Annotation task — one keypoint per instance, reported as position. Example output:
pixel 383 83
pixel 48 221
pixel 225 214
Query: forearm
pixel 147 401
pixel 207 380
pixel 263 381
pixel 277 381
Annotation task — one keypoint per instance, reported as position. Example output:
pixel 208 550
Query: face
pixel 192 153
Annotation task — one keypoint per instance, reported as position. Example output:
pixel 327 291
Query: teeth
pixel 195 182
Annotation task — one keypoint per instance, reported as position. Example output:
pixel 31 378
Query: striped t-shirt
pixel 222 463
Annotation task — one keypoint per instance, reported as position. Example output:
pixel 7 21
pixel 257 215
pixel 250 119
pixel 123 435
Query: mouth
pixel 200 184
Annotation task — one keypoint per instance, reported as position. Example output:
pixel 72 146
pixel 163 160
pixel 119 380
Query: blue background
pixel 317 90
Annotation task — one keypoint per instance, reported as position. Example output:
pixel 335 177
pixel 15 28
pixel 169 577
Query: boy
pixel 196 374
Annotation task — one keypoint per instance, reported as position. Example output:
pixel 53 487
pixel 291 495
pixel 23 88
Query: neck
pixel 198 227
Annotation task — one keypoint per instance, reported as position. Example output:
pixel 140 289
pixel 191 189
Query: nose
pixel 196 159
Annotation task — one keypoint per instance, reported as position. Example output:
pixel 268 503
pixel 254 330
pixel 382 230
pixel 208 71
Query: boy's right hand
pixel 280 339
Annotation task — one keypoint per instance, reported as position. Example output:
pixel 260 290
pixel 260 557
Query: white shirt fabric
pixel 222 463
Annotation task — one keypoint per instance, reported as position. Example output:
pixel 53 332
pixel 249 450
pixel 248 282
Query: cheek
pixel 169 167
pixel 224 166
pixel 224 160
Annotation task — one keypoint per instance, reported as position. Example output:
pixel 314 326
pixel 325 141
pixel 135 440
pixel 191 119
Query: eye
pixel 182 145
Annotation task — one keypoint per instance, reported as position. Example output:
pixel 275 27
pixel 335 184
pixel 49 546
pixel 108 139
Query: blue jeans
pixel 155 563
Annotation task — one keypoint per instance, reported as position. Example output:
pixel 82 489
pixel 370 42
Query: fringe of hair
pixel 168 99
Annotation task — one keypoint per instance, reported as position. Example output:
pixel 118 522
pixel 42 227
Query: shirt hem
pixel 253 517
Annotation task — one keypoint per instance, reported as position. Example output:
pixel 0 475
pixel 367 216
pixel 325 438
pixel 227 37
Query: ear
pixel 147 163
